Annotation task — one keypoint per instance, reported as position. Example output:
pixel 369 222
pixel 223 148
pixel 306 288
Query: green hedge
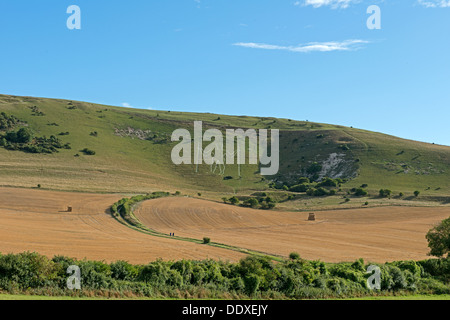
pixel 251 277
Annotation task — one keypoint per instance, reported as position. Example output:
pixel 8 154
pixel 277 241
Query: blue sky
pixel 310 60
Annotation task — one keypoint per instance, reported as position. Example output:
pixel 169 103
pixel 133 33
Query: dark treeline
pixel 252 277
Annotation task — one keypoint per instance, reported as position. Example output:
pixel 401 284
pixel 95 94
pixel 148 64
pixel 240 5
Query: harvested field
pixel 37 220
pixel 375 234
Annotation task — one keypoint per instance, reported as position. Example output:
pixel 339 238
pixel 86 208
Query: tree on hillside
pixel 439 239
pixel 385 193
pixel 233 200
pixel 24 135
pixel 360 192
pixel 252 202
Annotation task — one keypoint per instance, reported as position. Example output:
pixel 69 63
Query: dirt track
pixel 35 220
pixel 375 234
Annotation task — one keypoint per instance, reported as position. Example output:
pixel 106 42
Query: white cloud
pixel 334 4
pixel 435 3
pixel 127 105
pixel 346 45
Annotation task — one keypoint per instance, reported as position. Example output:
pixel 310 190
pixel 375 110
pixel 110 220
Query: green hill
pixel 133 146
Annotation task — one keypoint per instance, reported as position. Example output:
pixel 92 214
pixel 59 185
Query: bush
pixel 361 192
pixel 328 182
pixel 436 267
pixel 88 152
pixel 24 135
pixel 314 168
pixel 294 256
pixel 251 283
pixel 416 193
pixel 253 277
pixel 122 270
pixel 28 270
pixel 303 180
pixel 299 188
pixel 252 202
pixel 385 193
pixel 271 205
pixel 319 192
pixel 206 240
pixel 233 200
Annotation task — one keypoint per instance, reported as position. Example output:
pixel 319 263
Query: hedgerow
pixel 252 277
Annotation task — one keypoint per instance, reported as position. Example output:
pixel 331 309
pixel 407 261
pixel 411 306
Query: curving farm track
pixel 36 220
pixel 375 234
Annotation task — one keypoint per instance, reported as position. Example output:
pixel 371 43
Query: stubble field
pixel 37 220
pixel 376 234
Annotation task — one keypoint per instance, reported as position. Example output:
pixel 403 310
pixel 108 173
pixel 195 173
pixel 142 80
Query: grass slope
pixel 126 163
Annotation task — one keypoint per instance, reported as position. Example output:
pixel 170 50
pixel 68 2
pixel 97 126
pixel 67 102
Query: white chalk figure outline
pixel 219 164
pixel 232 154
pixel 374 281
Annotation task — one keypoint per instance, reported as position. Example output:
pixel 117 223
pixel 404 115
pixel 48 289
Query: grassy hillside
pixel 132 153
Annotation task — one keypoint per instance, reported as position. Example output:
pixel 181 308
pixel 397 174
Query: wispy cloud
pixel 435 3
pixel 127 105
pixel 347 45
pixel 334 4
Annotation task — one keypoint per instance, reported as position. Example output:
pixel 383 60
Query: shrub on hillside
pixel 360 192
pixel 233 200
pixel 299 188
pixel 303 180
pixel 328 182
pixel 88 152
pixel 314 168
pixel 319 192
pixel 385 193
pixel 252 202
